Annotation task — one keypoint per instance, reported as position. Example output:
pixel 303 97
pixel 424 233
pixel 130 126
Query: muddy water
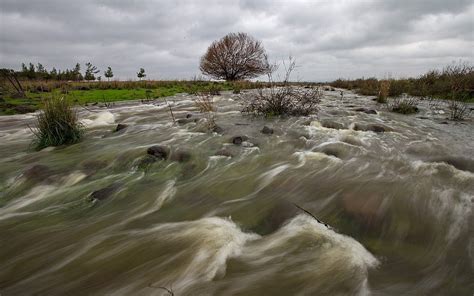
pixel 393 210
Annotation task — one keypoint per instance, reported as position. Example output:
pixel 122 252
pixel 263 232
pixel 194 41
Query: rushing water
pixel 395 208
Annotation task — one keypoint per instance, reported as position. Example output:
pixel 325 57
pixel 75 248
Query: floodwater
pixel 388 213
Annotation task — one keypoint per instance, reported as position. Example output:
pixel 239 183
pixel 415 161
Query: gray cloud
pixel 329 39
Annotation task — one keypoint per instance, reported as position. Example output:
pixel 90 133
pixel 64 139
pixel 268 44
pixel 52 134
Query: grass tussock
pixel 283 98
pixel 57 124
pixel 458 111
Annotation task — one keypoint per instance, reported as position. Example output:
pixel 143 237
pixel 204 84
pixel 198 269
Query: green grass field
pixel 95 93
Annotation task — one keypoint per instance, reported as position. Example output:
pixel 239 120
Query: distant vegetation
pixel 453 82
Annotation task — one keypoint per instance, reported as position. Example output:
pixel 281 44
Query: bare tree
pixel 236 56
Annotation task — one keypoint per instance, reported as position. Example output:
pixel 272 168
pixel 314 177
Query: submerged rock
pixel 218 129
pixel 224 152
pixel 120 127
pixel 161 152
pixel 267 130
pixel 38 173
pixel 460 163
pixel 181 156
pixel 104 193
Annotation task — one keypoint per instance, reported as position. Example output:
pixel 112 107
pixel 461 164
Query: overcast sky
pixel 329 39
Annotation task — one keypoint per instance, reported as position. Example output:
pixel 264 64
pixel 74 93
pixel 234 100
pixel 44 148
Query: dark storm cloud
pixel 328 38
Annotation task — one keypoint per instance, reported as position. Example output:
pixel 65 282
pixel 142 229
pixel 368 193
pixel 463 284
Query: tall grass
pixel 57 124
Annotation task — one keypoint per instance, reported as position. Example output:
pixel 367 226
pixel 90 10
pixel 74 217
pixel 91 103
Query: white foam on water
pixel 98 119
pixel 73 178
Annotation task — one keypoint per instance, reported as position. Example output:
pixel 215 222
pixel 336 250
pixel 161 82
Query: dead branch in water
pixel 309 213
pixel 171 110
pixel 170 290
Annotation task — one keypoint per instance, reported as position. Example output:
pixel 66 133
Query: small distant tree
pixel 91 70
pixel 76 72
pixel 54 73
pixel 141 74
pixel 236 56
pixel 31 71
pixel 108 73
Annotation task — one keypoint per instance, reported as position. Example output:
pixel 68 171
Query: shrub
pixel 404 105
pixel 57 124
pixel 283 98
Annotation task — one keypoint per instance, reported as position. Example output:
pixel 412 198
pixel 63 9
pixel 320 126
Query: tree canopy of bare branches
pixel 236 56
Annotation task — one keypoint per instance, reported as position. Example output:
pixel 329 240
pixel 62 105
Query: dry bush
pixel 236 56
pixel 283 98
pixel 458 110
pixel 384 91
pixel 205 104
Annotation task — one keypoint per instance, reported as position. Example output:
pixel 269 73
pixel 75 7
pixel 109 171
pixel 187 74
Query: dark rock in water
pixel 371 127
pixel 444 122
pixel 120 127
pixel 37 173
pixel 366 111
pixel 423 117
pixel 185 120
pixel 267 130
pixel 95 104
pixel 104 193
pixel 237 140
pixel 218 129
pixel 181 156
pixel 161 152
pixel 189 115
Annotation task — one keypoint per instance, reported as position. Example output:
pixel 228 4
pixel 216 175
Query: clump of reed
pixel 384 91
pixel 57 124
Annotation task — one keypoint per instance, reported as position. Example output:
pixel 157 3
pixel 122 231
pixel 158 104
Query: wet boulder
pixel 120 127
pixel 104 193
pixel 267 130
pixel 238 140
pixel 160 152
pixel 332 124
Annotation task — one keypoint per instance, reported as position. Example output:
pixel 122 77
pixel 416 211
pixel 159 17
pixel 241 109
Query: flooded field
pixel 354 201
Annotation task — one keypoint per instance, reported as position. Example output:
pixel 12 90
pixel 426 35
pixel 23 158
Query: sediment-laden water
pixel 394 196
